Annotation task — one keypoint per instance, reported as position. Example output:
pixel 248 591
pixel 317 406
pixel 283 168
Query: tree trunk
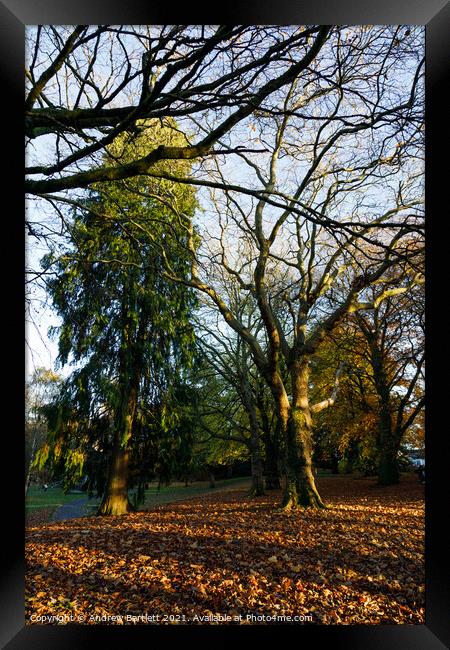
pixel 388 471
pixel 115 500
pixel 272 474
pixel 257 488
pixel 28 477
pixel 270 440
pixel 272 453
pixel 300 488
pixel 387 440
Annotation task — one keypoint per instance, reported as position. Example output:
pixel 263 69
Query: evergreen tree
pixel 125 326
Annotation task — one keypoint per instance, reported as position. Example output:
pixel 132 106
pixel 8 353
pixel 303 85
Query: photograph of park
pixel 225 392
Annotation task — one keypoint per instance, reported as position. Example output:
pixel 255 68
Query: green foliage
pixel 224 452
pixel 124 325
pixel 42 386
pixel 366 463
pixel 41 457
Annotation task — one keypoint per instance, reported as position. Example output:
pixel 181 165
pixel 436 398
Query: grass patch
pixel 38 498
pixel 51 498
pixel 178 491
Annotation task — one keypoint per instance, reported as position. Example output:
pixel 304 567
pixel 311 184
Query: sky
pixel 40 351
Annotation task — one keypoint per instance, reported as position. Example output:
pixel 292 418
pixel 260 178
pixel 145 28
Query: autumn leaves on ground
pixel 224 554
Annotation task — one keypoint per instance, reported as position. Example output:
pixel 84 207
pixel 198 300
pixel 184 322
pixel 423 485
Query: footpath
pixel 71 510
pixel 78 508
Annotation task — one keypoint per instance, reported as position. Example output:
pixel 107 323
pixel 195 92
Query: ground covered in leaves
pixel 39 516
pixel 227 559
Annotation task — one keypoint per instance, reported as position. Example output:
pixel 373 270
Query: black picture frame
pixel 435 15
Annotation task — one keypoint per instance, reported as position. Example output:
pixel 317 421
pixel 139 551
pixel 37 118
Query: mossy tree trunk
pixel 295 419
pixel 115 500
pixel 300 488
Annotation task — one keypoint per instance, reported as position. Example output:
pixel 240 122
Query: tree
pixel 39 391
pixel 312 226
pixel 382 393
pixel 230 391
pixel 234 389
pixel 128 326
pixel 395 346
pixel 89 84
pixel 341 141
pixel 271 435
pixel 345 436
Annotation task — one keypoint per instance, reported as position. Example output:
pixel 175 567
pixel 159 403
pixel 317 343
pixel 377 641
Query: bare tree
pixel 228 357
pixel 352 193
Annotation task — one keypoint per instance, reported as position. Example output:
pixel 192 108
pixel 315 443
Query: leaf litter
pixel 359 562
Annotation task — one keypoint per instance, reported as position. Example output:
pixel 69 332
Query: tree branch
pixel 320 406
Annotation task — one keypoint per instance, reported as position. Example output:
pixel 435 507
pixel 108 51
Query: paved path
pixel 77 508
pixel 71 510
